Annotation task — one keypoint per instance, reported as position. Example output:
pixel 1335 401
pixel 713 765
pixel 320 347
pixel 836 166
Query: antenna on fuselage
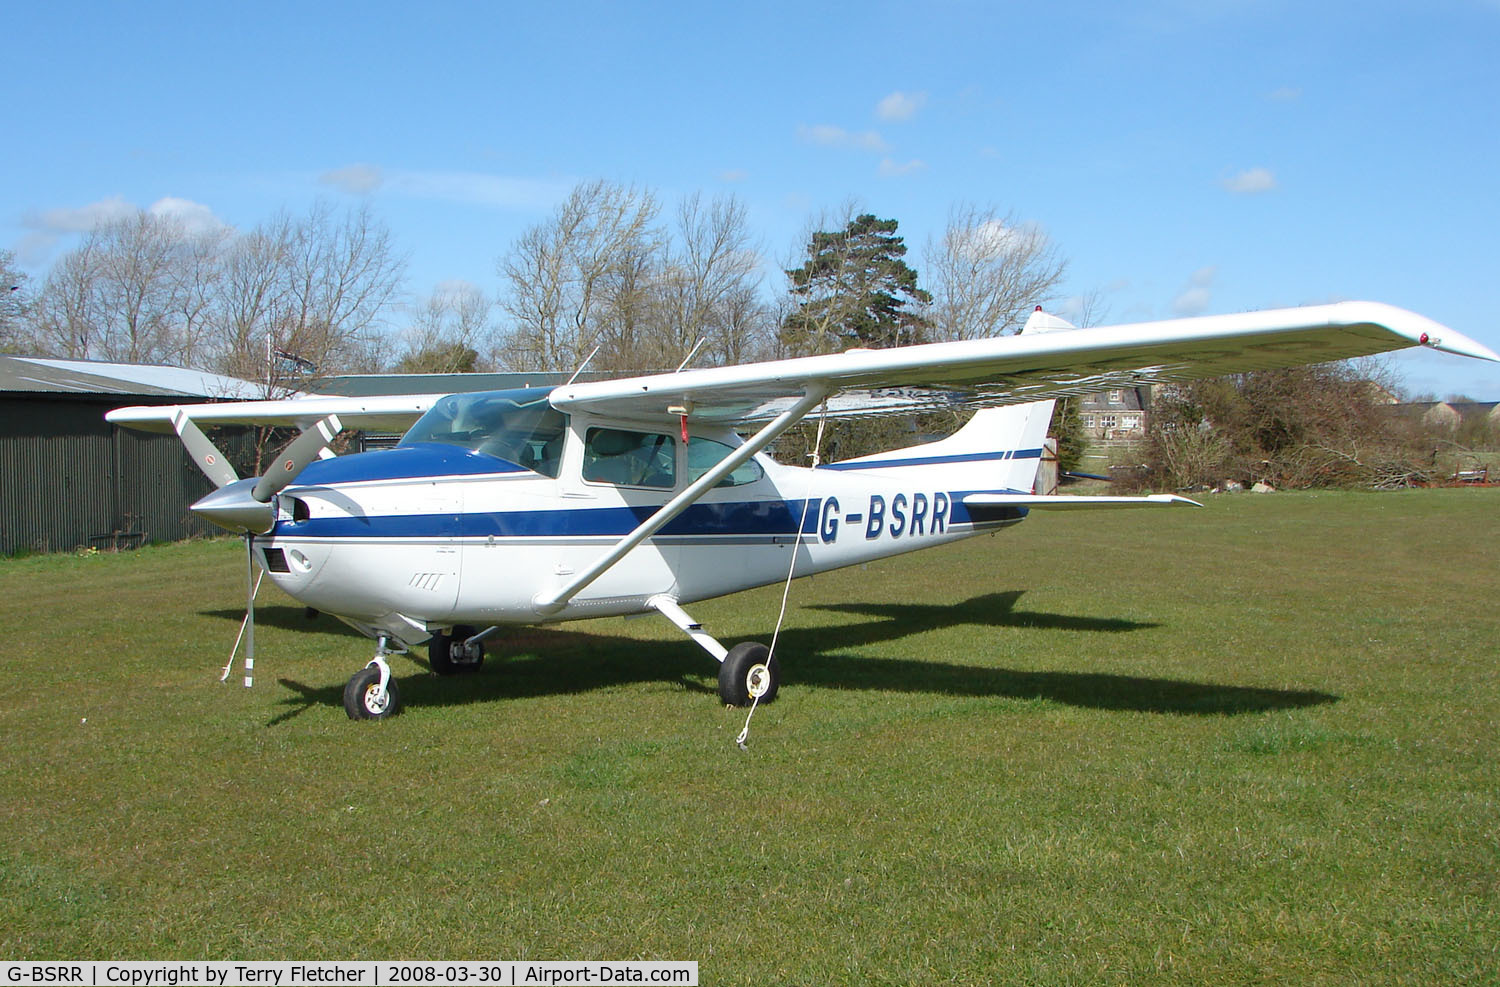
pixel 584 364
pixel 691 353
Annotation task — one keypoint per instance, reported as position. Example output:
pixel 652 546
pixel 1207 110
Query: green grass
pixel 1256 743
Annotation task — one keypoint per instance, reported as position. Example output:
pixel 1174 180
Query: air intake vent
pixel 275 560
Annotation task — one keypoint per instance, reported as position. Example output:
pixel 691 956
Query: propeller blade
pixel 303 450
pixel 208 457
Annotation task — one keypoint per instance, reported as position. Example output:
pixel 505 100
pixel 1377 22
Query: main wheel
pixel 359 696
pixel 748 669
pixel 447 655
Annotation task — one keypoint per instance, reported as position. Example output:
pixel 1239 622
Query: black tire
pixel 357 695
pixel 440 653
pixel 745 660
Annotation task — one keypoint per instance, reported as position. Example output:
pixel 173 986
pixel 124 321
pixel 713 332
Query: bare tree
pixel 448 332
pixel 63 322
pixel 709 284
pixel 988 272
pixel 135 290
pixel 342 276
pixel 251 299
pixel 15 307
pixel 316 289
pixel 572 276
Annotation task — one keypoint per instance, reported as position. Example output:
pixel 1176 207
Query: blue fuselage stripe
pixel 776 517
pixel 746 519
pixel 967 457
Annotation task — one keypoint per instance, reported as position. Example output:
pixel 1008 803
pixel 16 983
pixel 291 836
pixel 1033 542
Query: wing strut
pixel 553 601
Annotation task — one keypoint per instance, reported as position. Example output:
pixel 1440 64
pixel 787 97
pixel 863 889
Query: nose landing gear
pixel 371 693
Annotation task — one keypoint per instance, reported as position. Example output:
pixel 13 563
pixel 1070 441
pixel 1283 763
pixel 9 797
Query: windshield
pixel 519 426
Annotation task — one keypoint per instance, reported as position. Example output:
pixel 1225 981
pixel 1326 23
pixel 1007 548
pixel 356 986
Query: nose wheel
pixel 371 693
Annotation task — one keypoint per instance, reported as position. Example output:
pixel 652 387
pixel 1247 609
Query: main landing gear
pixel 748 672
pixel 458 652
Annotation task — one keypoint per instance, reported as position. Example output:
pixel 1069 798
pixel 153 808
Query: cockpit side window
pixel 520 427
pixel 704 454
pixel 632 459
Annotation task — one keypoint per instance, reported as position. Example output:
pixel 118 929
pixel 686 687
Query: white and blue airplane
pixel 649 493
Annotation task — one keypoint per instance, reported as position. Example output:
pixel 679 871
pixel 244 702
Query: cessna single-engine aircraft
pixel 649 493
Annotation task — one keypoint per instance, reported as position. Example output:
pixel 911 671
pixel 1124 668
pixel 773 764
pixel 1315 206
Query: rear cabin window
pixel 631 459
pixel 704 454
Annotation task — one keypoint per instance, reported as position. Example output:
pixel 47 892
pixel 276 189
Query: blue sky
pixel 1185 157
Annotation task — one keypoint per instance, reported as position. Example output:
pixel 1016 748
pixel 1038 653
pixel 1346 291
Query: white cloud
pixel 356 179
pixel 195 217
pixel 1286 94
pixel 733 175
pixel 894 169
pixel 900 106
pixel 1197 293
pixel 456 290
pixel 81 219
pixel 993 238
pixel 477 188
pixel 1251 181
pixel 48 227
pixel 828 135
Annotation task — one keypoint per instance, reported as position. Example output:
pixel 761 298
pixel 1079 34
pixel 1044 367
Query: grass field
pixel 1257 743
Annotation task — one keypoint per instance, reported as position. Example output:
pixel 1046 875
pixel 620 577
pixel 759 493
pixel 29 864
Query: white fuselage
pixel 400 543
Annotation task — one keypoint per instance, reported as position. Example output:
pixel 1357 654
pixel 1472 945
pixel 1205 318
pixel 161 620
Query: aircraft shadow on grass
pixel 558 661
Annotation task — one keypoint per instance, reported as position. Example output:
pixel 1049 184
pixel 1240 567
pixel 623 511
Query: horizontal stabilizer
pixel 1064 503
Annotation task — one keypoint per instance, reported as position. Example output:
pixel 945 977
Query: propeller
pixel 246 506
pixel 303 450
pixel 207 455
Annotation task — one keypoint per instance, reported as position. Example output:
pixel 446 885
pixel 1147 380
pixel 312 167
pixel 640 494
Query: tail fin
pixel 999 448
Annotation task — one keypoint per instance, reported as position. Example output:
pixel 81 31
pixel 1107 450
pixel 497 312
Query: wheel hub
pixel 377 699
pixel 757 681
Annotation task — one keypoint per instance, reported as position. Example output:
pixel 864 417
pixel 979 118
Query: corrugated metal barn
pixel 70 480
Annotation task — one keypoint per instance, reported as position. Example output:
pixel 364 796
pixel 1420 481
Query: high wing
pixel 1017 369
pixel 389 413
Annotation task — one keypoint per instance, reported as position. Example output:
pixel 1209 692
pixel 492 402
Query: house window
pixel 1115 397
pixel 1130 422
pixel 1088 421
pixel 1107 421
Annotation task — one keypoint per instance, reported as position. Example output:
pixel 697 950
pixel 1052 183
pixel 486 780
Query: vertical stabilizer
pixel 999 448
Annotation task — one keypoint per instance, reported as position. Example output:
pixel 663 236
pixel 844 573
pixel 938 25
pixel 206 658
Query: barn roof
pixel 43 374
